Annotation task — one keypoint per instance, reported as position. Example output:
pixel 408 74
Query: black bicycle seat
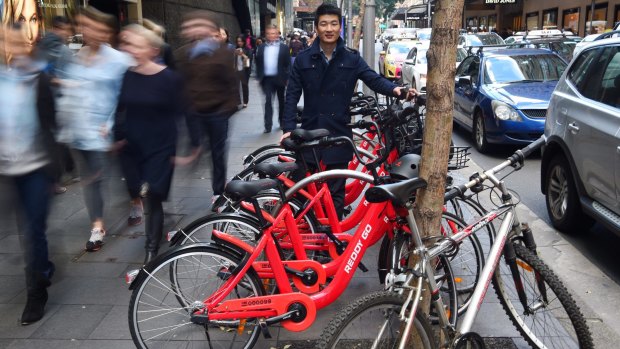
pixel 239 189
pixel 398 193
pixel 301 135
pixel 273 169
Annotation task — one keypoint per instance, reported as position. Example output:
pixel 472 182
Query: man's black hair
pixel 60 21
pixel 327 9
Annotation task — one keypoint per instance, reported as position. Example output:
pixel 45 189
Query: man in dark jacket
pixel 211 87
pixel 273 62
pixel 326 73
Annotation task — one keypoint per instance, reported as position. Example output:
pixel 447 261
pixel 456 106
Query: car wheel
pixel 562 198
pixel 480 136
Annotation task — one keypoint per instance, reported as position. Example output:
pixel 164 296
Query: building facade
pixel 536 14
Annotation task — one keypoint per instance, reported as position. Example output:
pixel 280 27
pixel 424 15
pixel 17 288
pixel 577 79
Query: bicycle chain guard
pixel 264 271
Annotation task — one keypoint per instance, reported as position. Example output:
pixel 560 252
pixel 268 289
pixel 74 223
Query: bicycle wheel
pixel 266 149
pixel 444 277
pixel 200 230
pixel 174 286
pixel 373 319
pixel 468 261
pixel 552 318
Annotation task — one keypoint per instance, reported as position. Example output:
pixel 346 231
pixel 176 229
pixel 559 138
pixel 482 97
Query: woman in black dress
pixel 149 103
pixel 243 57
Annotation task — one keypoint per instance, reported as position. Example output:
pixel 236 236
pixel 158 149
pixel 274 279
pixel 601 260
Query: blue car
pixel 502 96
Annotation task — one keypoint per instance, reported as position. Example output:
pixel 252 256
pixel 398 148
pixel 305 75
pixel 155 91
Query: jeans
pixel 34 191
pixel 92 170
pixel 244 77
pixel 272 86
pixel 215 127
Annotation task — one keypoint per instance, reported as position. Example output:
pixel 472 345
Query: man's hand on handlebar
pixel 284 136
pixel 411 93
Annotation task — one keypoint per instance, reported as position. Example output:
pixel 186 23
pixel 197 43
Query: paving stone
pixel 10 315
pixel 73 322
pixel 107 344
pixel 12 264
pixel 45 344
pixel 11 286
pixel 4 343
pixel 114 325
pixel 89 291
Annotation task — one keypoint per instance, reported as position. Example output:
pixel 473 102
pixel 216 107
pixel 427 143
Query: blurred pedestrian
pixel 90 86
pixel 243 67
pixel 250 40
pixel 211 85
pixel 146 135
pixel 259 42
pixel 311 39
pixel 26 125
pixel 53 49
pixel 166 55
pixel 224 38
pixel 296 46
pixel 273 61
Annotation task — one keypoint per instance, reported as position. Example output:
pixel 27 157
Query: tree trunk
pixel 358 25
pixel 441 58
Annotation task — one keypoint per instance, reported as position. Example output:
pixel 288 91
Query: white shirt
pixel 271 59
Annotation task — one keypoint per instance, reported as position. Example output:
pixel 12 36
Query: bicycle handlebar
pixel 517 158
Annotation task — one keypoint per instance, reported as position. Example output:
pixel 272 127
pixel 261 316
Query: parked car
pixel 580 167
pixel 391 60
pixel 479 39
pixel 415 66
pixel 502 95
pixel 558 44
pixel 586 40
pixel 424 34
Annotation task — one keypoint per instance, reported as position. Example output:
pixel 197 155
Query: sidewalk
pixel 88 301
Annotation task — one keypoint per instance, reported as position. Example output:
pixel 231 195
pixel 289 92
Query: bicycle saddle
pixel 239 189
pixel 271 169
pixel 398 193
pixel 301 135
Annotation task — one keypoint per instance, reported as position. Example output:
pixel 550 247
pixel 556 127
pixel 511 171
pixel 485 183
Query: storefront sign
pixel 499 2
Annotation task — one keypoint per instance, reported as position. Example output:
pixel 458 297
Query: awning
pixel 409 12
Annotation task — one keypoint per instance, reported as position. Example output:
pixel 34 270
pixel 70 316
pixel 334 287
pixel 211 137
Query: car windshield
pixel 397 49
pixel 424 35
pixel 523 68
pixel 486 39
pixel 421 57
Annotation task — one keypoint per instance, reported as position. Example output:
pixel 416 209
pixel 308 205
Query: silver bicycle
pixel 534 298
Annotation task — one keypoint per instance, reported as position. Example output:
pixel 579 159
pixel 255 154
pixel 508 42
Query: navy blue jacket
pixel 327 90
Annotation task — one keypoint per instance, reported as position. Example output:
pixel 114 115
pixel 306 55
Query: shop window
pixel 483 24
pixel 492 22
pixel 531 21
pixel 570 19
pixel 599 19
pixel 550 18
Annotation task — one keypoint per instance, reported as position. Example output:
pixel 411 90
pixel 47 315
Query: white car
pixel 586 40
pixel 415 66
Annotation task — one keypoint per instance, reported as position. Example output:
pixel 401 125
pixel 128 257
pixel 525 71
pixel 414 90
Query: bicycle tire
pixel 572 322
pixel 343 331
pixel 266 149
pixel 158 304
pixel 444 276
pixel 243 227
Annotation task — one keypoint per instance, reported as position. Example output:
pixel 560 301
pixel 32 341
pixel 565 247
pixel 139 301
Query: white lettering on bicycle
pixel 357 249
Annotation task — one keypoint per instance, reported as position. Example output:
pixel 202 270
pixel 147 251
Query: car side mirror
pixel 464 81
pixel 382 53
pixel 409 61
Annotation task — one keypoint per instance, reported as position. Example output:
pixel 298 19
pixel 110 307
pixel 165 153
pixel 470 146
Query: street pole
pixel 428 13
pixel 369 35
pixel 350 23
pixel 288 16
pixel 592 17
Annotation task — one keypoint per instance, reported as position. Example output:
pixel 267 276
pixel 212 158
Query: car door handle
pixel 563 111
pixel 573 127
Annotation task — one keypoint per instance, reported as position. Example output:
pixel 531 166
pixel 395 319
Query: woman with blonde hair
pixel 29 17
pixel 149 103
pixel 166 56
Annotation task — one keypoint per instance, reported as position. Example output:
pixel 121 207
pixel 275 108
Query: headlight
pixel 503 111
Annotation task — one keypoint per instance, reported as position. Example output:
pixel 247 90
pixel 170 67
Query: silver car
pixel 581 160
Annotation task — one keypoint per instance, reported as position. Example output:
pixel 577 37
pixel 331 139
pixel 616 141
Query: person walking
pixel 243 67
pixel 149 102
pixel 86 108
pixel 26 139
pixel 296 46
pixel 166 55
pixel 211 86
pixel 327 73
pixel 273 62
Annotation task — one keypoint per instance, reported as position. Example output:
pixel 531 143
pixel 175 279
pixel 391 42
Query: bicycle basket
pixel 459 157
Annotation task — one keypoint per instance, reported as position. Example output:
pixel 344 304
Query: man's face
pixel 63 30
pixel 94 33
pixel 198 29
pixel 328 28
pixel 272 34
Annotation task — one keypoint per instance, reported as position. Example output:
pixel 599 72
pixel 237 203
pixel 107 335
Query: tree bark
pixel 359 23
pixel 441 58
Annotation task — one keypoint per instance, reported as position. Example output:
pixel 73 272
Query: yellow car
pixel 391 60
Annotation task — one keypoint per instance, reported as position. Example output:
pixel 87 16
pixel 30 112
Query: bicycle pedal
pixel 362 267
pixel 262 323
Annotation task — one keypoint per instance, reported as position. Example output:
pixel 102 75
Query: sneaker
pixel 96 240
pixel 135 215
